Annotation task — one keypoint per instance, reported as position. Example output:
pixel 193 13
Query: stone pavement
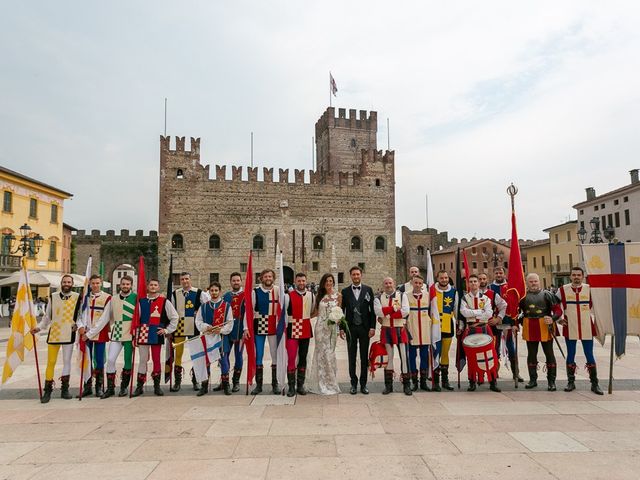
pixel 455 435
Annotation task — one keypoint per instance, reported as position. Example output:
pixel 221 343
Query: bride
pixel 322 376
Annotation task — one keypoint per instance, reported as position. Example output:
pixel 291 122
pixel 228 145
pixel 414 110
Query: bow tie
pixel 356 287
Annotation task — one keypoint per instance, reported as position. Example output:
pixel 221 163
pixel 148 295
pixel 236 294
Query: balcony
pixel 9 262
pixel 559 268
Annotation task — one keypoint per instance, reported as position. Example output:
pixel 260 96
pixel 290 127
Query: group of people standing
pixel 417 322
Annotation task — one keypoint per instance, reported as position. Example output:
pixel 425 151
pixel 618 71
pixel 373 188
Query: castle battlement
pixel 165 145
pixel 111 235
pixel 362 122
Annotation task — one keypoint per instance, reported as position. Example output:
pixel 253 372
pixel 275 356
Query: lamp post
pixel 595 230
pixel 29 243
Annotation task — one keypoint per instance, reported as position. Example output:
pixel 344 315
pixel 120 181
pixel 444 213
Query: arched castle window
pixel 356 243
pixel 214 242
pixel 179 174
pixel 258 242
pixel 420 250
pixel 177 242
pixel 318 242
pixel 381 244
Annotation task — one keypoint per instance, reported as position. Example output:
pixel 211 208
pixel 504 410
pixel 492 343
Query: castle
pixel 345 209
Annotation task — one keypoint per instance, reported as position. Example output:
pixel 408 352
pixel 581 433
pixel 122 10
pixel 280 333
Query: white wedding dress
pixel 322 376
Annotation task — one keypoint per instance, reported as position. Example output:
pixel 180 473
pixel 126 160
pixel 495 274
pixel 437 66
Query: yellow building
pixel 538 255
pixel 40 206
pixel 564 251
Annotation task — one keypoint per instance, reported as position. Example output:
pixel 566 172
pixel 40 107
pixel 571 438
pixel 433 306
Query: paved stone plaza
pixel 516 434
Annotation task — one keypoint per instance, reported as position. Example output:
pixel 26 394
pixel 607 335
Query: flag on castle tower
pixel 332 85
pixel 23 320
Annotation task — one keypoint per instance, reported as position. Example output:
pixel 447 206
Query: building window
pixel 361 265
pixel 558 262
pixel 581 212
pixel 484 249
pixel 177 242
pixel 451 265
pixel 568 235
pixel 6 244
pixel 616 202
pixel 610 220
pixel 175 279
pixel 377 182
pixel 7 202
pixel 340 278
pixel 214 242
pixel 258 242
pixel 381 244
pixel 506 264
pixel 54 213
pixel 543 261
pixel 420 250
pixel 557 238
pixel 602 206
pixel 179 174
pixel 214 277
pixel 485 265
pixel 625 199
pixel 474 265
pixel 243 268
pixel 315 266
pixel 33 208
pixel 53 246
pixel 595 208
pixel 581 223
pixel 356 243
pixel 473 251
pixel 627 218
pixel 535 263
pixel 616 216
pixel 317 242
pixel 571 260
pixel 603 221
pixel 544 283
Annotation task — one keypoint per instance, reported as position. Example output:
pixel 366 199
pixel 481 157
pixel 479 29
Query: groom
pixel 357 304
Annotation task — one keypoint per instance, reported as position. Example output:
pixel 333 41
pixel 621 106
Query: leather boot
pixel 472 386
pixel 64 387
pixel 194 382
pixel 300 390
pixel 259 377
pixel 414 381
pixel 436 380
pixel 177 378
pixel 444 374
pixel 533 375
pixel 46 393
pixel 291 380
pixel 111 386
pixel 593 377
pixel 423 380
pixel 125 378
pixel 98 373
pixel 87 391
pixel 406 384
pixel 493 386
pixel 275 388
pixel 388 382
pixel 571 377
pixel 142 378
pixel 551 377
pixel 204 388
pixel 226 388
pixel 236 380
pixel 156 384
pixel 512 363
pixel 218 388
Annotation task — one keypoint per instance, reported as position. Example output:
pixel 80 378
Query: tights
pixel 260 340
pixel 297 349
pixel 144 358
pixel 587 347
pixel 52 358
pixel 402 348
pixel 532 352
pixel 114 350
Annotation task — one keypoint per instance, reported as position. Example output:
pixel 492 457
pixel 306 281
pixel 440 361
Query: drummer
pixel 477 310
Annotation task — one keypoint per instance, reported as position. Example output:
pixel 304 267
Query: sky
pixel 543 94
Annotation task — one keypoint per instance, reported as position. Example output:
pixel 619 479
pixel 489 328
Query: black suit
pixel 360 318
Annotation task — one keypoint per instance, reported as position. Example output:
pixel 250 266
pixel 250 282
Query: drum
pixel 481 356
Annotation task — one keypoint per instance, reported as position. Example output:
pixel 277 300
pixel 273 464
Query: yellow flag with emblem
pixel 22 321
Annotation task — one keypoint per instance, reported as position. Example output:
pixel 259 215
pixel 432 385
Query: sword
pixel 550 327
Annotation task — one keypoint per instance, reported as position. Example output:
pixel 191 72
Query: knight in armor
pixel 419 323
pixel 540 311
pixel 99 305
pixel 216 316
pixel 187 300
pixel 477 310
pixel 158 318
pixel 265 305
pixel 577 324
pixel 391 308
pixel 61 317
pixel 299 305
pixel 446 304
pixel 119 315
pixel 239 333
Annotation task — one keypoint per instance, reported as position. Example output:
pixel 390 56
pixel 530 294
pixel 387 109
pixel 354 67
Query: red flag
pixel 515 278
pixel 467 272
pixel 248 311
pixel 142 293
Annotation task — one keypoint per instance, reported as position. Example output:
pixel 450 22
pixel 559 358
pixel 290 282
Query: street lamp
pixel 609 233
pixel 582 234
pixel 595 230
pixel 29 243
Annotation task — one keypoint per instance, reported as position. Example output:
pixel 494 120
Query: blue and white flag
pixel 281 329
pixel 204 350
pixel 614 277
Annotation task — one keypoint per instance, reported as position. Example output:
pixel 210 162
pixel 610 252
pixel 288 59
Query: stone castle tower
pixel 209 225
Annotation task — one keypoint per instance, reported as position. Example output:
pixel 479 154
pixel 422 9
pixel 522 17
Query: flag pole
pixel 133 362
pixel 84 353
pixel 35 352
pixel 330 101
pixel 611 364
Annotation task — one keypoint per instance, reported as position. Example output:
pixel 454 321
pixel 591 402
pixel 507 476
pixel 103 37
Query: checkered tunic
pixel 64 312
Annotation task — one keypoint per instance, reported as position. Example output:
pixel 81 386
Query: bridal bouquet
pixel 337 320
